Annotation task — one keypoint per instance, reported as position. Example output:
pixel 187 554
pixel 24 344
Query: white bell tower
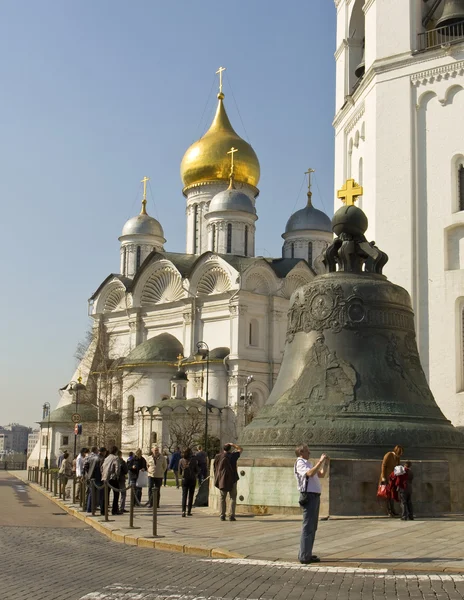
pixel 399 132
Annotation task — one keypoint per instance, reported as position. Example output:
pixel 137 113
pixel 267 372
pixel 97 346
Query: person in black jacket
pixel 123 470
pixel 188 470
pixel 136 464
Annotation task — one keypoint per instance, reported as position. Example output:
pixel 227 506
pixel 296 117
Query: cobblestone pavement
pixel 45 562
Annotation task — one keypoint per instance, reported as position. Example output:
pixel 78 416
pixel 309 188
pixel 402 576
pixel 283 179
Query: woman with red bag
pixel 389 462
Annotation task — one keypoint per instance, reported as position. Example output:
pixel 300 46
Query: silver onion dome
pixel 143 224
pixel 232 199
pixel 309 218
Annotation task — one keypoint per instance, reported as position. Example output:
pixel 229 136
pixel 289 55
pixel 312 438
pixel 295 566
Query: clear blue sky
pixel 97 94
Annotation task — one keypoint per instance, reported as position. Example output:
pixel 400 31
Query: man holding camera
pixel 309 486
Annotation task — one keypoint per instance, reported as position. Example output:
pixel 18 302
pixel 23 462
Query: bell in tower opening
pixel 351 385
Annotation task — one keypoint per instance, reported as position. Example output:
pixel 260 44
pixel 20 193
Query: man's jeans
pixel 310 522
pixel 233 501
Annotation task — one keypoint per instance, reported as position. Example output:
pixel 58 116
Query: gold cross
pixel 350 192
pixel 232 151
pixel 308 173
pixel 144 200
pixel 180 358
pixel 219 72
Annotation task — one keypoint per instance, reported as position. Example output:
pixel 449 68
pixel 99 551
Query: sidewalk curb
pixel 116 535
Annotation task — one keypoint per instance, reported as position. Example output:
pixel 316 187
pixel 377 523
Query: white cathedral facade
pixel 149 318
pixel 399 132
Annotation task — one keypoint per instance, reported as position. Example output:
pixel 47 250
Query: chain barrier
pixel 85 492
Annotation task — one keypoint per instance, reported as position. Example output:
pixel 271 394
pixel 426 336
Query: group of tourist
pixel 395 485
pixel 102 465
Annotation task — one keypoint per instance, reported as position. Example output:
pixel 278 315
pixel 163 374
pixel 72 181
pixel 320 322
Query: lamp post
pixel 76 387
pixel 203 354
pixel 46 413
pixel 247 399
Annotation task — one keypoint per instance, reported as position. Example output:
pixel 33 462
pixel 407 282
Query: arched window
pixel 139 255
pixel 246 240
pixel 229 238
pixel 195 229
pixel 213 241
pixel 310 254
pixel 130 410
pixel 461 187
pixel 253 333
pixel 356 44
pixel 292 250
pixel 124 266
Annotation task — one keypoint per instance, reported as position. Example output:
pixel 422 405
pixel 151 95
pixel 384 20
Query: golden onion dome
pixel 207 159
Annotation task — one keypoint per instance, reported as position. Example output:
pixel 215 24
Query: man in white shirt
pixel 309 486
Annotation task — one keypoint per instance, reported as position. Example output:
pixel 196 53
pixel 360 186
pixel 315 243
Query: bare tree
pixel 108 382
pixel 186 431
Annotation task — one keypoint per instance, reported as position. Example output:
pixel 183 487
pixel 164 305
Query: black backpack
pixel 190 470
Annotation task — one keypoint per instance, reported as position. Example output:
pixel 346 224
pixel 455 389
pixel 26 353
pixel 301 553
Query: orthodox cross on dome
pixel 219 72
pixel 144 200
pixel 350 192
pixel 232 151
pixel 308 173
pixel 180 358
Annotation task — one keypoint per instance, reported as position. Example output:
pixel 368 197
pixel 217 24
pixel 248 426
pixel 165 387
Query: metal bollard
pixel 55 484
pixel 74 490
pixel 40 477
pixel 82 494
pixel 131 508
pixel 154 500
pixel 107 500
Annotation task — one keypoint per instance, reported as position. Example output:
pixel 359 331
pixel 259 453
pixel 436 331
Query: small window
pixel 44 440
pixel 229 238
pixel 246 240
pixel 154 437
pixel 130 410
pixel 184 392
pixel 461 187
pixel 310 253
pixel 195 229
pixel 213 241
pixel 292 250
pixel 124 267
pixel 139 255
pixel 253 333
pixel 64 440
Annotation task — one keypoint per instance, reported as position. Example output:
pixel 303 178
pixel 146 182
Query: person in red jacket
pixel 401 479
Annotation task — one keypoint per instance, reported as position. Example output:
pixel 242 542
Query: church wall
pixel 442 140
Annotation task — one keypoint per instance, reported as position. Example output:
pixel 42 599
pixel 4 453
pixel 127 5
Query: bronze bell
pixel 351 381
pixel 360 69
pixel 453 13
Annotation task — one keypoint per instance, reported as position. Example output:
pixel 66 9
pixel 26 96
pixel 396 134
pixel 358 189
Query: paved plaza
pixel 423 545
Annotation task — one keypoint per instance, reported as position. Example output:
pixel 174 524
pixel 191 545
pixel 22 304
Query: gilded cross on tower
pixel 350 192
pixel 308 173
pixel 219 72
pixel 144 200
pixel 232 151
pixel 180 358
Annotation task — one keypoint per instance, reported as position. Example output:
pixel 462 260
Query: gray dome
pixel 232 199
pixel 162 348
pixel 309 218
pixel 143 225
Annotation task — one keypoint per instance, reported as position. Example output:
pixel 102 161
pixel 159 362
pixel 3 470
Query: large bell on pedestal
pixel 453 13
pixel 351 382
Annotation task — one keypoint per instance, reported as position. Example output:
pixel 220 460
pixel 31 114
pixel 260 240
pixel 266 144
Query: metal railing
pixel 441 36
pixel 88 494
pixel 13 465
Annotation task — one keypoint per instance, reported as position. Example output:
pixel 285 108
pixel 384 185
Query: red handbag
pixel 382 491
